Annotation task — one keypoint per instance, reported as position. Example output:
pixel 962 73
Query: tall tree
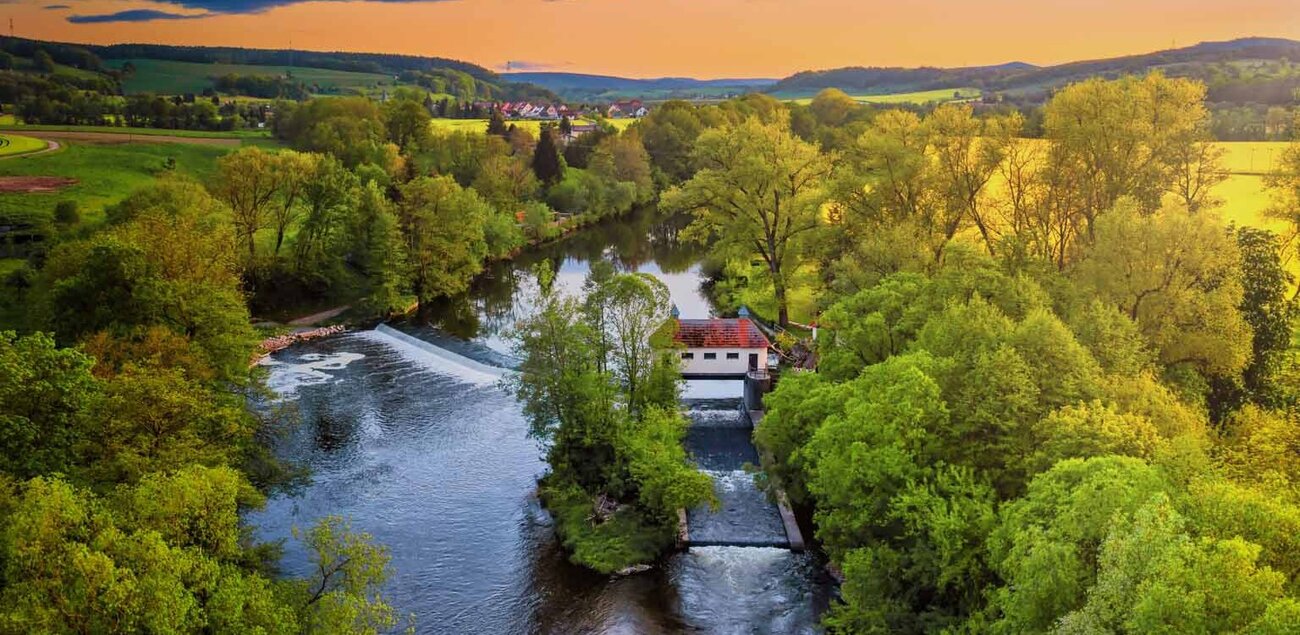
pixel 443 229
pixel 547 164
pixel 758 192
pixel 248 180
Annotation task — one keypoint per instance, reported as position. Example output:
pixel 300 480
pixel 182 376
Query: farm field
pixel 12 144
pixel 170 77
pixel 915 97
pixel 10 126
pixel 104 174
pixel 531 125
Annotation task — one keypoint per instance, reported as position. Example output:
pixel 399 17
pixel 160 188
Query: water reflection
pixel 436 464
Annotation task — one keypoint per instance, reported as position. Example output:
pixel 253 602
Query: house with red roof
pixel 721 347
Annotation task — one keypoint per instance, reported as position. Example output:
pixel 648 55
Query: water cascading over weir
pixel 719 439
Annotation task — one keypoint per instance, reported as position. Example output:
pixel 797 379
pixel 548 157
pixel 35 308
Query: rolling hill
pixel 1246 70
pixel 579 87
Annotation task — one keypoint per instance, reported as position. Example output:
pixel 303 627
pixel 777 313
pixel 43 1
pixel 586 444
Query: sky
pixel 658 38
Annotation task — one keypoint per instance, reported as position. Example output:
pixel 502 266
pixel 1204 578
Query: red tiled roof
pixel 720 333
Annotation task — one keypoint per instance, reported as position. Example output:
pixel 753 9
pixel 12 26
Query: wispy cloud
pixel 209 8
pixel 526 65
pixel 52 7
pixel 133 15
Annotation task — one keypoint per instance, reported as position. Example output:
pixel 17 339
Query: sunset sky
pixel 653 38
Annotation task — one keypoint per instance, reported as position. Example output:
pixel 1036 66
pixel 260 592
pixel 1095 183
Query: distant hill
pixel 579 86
pixel 185 68
pixel 1258 70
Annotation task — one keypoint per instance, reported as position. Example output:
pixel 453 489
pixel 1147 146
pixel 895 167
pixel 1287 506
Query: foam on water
pixel 437 359
pixel 746 590
pixel 310 370
pixel 744 514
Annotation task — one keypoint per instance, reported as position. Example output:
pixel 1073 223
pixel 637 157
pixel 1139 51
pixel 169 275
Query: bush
pixel 624 540
pixel 66 213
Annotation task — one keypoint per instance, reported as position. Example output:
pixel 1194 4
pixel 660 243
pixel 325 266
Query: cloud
pixel 51 7
pixel 209 7
pixel 133 15
pixel 525 65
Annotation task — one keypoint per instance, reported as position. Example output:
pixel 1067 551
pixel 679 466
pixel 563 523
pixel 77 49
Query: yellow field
pixel 532 126
pixel 917 97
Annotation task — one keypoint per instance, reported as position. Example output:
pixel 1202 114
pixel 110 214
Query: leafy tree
pixel 623 158
pixel 547 164
pixel 296 170
pixel 497 124
pixel 378 250
pixel 44 392
pixel 248 180
pixel 408 123
pixel 42 61
pixel 443 228
pixel 758 192
pixel 1178 277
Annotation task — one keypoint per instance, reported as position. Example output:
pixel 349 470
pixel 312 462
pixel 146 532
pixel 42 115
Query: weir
pixel 719 439
pixel 440 358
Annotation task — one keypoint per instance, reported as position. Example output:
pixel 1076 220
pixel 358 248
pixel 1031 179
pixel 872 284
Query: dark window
pixel 688 355
pixel 733 355
pixel 710 356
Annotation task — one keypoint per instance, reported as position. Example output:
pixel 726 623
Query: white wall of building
pixel 696 361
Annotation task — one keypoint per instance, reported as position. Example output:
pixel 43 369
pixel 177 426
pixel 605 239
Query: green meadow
pixel 10 126
pixel 12 144
pixel 105 174
pixel 170 77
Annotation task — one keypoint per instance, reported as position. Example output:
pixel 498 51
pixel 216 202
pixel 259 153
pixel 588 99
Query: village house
pixel 626 109
pixel 720 348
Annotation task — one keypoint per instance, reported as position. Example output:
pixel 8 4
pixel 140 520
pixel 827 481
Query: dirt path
pixel 122 137
pixel 50 146
pixel 316 318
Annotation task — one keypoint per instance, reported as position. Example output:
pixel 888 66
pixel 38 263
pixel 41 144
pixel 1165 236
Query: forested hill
pixel 579 86
pixel 463 80
pixel 1248 69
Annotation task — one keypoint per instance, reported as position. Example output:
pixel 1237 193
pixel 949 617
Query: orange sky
pixel 698 38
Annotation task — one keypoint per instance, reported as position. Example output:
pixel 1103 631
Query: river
pixel 430 457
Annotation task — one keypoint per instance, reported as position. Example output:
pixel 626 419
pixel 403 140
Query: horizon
pixel 728 39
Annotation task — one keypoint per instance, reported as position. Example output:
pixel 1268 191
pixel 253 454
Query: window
pixel 733 355
pixel 710 356
pixel 688 355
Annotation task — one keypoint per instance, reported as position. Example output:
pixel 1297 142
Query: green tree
pixel 44 392
pixel 42 61
pixel 408 123
pixel 758 192
pixel 443 228
pixel 547 164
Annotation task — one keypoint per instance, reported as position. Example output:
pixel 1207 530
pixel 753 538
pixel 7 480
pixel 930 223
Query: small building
pixel 721 348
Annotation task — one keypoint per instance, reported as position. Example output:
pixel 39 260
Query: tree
pixel 1179 278
pixel 42 61
pixel 547 164
pixel 344 594
pixel 247 181
pixel 623 158
pixel 66 214
pixel 379 251
pixel 296 170
pixel 44 392
pixel 408 123
pixel 443 228
pixel 497 124
pixel 329 195
pixel 758 192
pixel 1284 188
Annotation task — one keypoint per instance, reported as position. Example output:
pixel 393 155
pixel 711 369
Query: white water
pixel 288 377
pixel 437 359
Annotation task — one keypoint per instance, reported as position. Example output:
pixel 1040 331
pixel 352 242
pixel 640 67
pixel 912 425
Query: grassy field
pixel 160 132
pixel 169 77
pixel 917 97
pixel 12 144
pixel 105 174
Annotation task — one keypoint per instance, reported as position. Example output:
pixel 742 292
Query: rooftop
pixel 720 333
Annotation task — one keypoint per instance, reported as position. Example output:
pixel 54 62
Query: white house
pixel 721 347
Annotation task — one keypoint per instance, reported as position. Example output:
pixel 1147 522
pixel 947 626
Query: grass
pixel 915 97
pixel 105 174
pixel 171 77
pixel 12 145
pixel 161 132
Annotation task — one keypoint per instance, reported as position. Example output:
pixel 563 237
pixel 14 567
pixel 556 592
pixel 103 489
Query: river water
pixel 428 455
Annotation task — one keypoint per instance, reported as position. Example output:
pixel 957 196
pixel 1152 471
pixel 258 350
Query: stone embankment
pixel 281 342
